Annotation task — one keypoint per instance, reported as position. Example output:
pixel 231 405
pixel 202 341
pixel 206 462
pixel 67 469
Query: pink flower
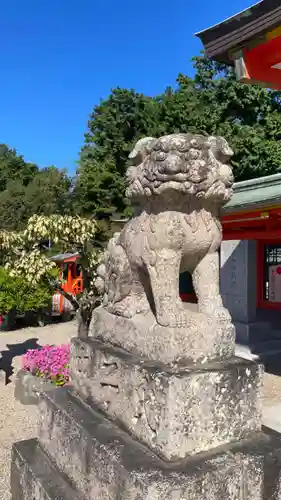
pixel 50 362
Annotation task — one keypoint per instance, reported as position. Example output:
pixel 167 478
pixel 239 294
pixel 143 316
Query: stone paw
pixel 124 310
pixel 217 312
pixel 129 307
pixel 174 319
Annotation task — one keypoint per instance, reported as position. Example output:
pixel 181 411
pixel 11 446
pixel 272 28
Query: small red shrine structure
pixel 72 277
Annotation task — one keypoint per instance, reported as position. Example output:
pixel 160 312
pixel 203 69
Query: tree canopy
pixel 212 102
pixel 26 190
pixel 209 102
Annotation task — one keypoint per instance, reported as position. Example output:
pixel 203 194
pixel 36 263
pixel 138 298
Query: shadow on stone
pixel 272 363
pixel 14 350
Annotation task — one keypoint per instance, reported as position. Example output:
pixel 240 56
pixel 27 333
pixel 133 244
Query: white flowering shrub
pixel 21 254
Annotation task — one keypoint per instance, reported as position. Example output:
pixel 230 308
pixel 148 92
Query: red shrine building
pixel 251 250
pixel 251 42
pixel 251 258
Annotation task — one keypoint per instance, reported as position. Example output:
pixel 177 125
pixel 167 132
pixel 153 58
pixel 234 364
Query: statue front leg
pixel 163 268
pixel 206 279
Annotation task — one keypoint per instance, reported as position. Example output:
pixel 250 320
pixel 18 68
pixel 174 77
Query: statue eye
pixel 160 156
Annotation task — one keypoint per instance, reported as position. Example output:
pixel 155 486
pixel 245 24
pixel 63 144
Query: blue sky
pixel 59 57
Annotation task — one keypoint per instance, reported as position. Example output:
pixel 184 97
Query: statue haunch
pixel 178 184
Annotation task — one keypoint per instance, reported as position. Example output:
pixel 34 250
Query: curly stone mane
pixel 194 165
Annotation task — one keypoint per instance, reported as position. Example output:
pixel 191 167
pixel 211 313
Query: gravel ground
pixel 271 392
pixel 18 422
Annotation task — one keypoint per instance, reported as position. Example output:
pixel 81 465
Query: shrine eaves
pixel 251 42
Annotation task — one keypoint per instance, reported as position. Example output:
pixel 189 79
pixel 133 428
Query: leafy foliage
pixel 13 167
pixel 25 190
pixel 21 252
pixel 212 102
pixel 17 295
pixel 28 263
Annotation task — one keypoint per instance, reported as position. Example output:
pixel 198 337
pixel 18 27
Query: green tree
pixel 100 188
pixel 211 102
pixel 47 193
pixel 25 190
pixel 12 207
pixel 115 124
pixel 14 167
pixel 248 116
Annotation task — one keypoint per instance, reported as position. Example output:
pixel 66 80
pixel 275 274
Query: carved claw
pixel 176 318
pixel 217 312
pixel 130 306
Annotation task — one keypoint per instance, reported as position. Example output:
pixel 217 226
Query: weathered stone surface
pixel 174 411
pixel 104 462
pixel 178 184
pixel 28 387
pixel 144 336
pixel 34 477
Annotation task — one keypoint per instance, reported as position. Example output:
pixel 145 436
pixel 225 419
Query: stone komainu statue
pixel 178 183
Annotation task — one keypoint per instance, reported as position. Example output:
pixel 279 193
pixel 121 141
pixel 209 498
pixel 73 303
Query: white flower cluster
pixel 9 239
pixel 32 265
pixel 94 261
pixel 20 252
pixel 60 228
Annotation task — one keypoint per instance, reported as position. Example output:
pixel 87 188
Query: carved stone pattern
pixel 175 414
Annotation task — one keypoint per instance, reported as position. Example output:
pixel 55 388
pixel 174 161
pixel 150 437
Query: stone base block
pixel 34 477
pixel 253 332
pixel 174 411
pixel 28 387
pixel 204 339
pixel 105 463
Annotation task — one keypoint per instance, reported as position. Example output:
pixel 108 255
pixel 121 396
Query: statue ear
pixel 140 147
pixel 223 150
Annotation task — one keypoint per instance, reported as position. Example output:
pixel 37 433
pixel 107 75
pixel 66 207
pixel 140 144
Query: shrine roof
pixel 64 256
pixel 249 24
pixel 264 192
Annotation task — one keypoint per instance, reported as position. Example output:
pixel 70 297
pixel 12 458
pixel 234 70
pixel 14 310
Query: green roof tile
pixel 255 193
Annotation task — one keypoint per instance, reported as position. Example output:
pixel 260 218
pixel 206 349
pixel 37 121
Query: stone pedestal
pixel 174 411
pixel 130 429
pixel 82 455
